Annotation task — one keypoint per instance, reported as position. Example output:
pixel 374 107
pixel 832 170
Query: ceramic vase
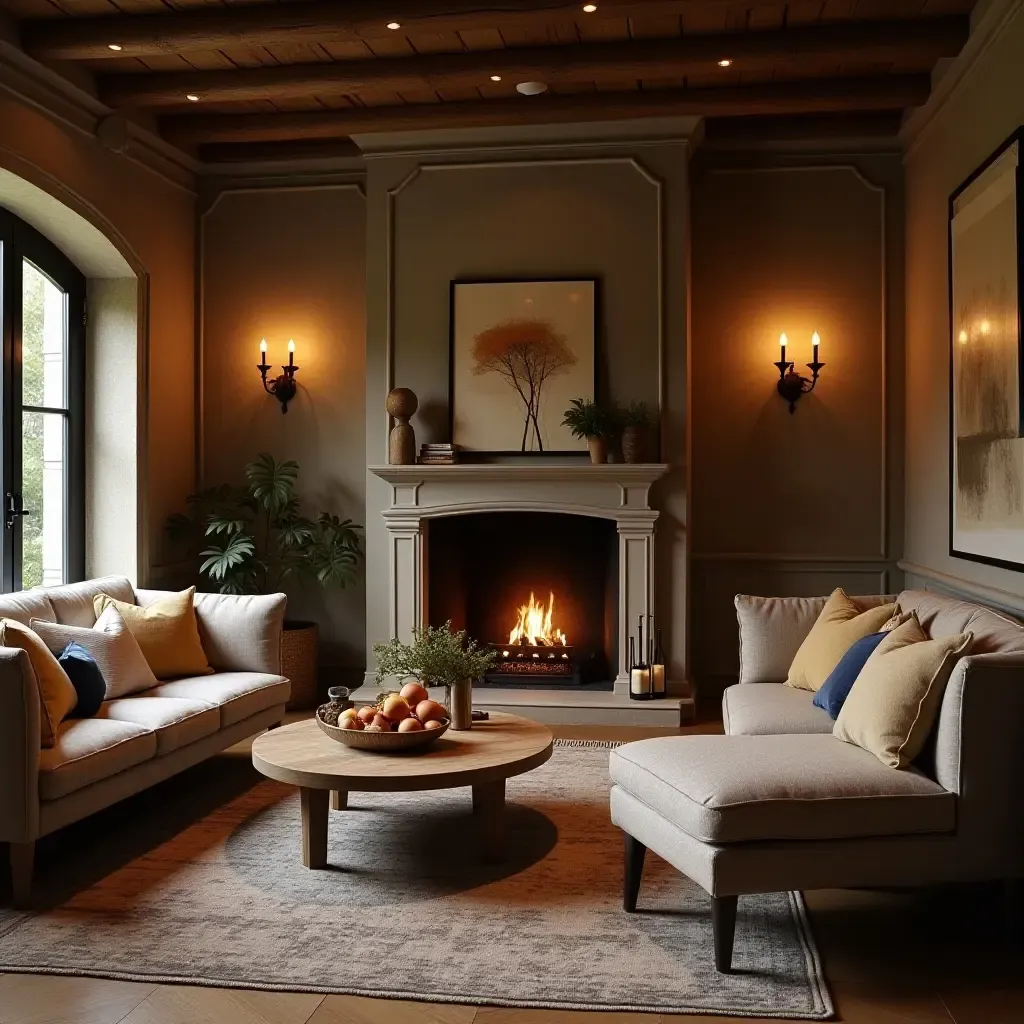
pixel 598 449
pixel 460 705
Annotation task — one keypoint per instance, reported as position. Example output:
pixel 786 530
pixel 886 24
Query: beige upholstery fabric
pixel 26 605
pixel 89 749
pixel 175 721
pixel 238 694
pixel 773 628
pixel 72 603
pixel 110 641
pixel 942 616
pixel 770 709
pixel 19 747
pixel 239 633
pixel 724 789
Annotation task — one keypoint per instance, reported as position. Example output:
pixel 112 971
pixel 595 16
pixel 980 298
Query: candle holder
pixel 792 386
pixel 283 387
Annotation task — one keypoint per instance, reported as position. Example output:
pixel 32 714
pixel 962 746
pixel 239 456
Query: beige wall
pixel 290 263
pixel 791 504
pixel 151 222
pixel 985 107
pixel 615 211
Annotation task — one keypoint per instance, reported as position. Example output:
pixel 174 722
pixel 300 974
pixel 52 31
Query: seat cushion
pixel 727 789
pixel 771 709
pixel 89 749
pixel 72 603
pixel 175 720
pixel 238 695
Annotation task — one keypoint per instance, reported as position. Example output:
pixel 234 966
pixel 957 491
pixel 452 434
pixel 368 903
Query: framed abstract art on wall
pixel 986 458
pixel 520 351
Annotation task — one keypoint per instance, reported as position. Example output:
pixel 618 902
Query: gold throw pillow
pixel 840 625
pixel 166 631
pixel 895 701
pixel 57 694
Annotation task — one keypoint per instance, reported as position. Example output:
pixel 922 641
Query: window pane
pixel 43 334
pixel 44 459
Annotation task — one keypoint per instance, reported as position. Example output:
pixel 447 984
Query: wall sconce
pixel 791 385
pixel 283 388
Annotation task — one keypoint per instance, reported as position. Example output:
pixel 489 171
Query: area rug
pixel 407 910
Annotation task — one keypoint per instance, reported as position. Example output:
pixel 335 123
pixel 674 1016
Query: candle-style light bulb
pixel 291 352
pixel 263 350
pixel 816 341
pixel 783 342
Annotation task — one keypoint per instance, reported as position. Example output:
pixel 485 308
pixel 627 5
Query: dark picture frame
pixel 1013 427
pixel 583 379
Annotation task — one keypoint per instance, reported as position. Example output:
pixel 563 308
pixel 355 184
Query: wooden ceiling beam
pixel 917 41
pixel 325 21
pixel 891 92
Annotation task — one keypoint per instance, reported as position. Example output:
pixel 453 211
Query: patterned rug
pixel 405 908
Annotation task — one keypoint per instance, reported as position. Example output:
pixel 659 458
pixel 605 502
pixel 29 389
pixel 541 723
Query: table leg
pixel 339 800
pixel 489 807
pixel 314 827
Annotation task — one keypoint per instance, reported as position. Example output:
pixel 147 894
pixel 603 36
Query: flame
pixel 534 625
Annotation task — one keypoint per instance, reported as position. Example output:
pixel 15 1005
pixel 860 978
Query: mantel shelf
pixel 519 472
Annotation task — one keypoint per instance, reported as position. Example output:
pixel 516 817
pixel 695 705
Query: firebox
pixel 540 589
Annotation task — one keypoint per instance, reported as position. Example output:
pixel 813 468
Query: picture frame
pixel 986 361
pixel 519 351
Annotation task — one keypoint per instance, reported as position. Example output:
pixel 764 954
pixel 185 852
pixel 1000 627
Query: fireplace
pixel 539 588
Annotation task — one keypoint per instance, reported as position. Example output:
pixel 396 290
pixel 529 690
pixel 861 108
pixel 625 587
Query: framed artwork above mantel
pixel 986 404
pixel 519 351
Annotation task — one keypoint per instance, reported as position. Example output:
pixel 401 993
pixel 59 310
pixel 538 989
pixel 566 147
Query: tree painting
pixel 525 353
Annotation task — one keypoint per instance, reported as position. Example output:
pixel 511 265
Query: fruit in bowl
pixel 409 711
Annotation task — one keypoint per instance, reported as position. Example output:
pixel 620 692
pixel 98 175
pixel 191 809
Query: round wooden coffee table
pixel 327 771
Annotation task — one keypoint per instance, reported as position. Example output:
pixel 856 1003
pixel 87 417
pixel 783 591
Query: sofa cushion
pixel 834 691
pixel 176 721
pixel 726 789
pixel 72 603
pixel 239 632
pixel 25 605
pixel 238 695
pixel 770 709
pixel 89 749
pixel 773 628
pixel 942 616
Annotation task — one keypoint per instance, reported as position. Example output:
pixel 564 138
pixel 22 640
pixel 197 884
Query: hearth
pixel 541 589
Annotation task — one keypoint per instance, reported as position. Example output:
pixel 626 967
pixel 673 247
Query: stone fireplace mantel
pixel 614 491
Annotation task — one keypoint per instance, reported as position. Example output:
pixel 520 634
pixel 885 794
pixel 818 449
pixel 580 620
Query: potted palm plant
pixel 254 539
pixel 586 418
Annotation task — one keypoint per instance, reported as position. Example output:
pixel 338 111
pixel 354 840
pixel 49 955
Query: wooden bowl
pixel 382 742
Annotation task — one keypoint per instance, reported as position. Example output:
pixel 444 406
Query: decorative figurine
pixel 402 405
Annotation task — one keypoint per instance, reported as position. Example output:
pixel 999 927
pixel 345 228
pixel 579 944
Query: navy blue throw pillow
pixel 87 679
pixel 836 688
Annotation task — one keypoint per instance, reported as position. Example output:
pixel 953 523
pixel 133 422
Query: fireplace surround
pixel 422 496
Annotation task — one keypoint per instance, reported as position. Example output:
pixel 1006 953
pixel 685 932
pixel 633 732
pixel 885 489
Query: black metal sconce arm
pixel 283 388
pixel 792 385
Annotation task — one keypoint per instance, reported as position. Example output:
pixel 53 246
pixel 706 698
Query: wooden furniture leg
pixel 339 799
pixel 314 827
pixel 489 807
pixel 723 920
pixel 22 862
pixel 634 870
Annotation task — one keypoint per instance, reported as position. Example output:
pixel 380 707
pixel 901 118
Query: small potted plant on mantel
pixel 635 421
pixel 256 540
pixel 585 418
pixel 437 656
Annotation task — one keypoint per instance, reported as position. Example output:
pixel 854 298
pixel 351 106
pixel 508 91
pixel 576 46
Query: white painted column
pixel 636 587
pixel 408 574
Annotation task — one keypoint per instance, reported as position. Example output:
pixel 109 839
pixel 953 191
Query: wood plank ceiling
pixel 219 71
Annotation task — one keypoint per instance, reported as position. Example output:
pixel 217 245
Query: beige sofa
pixel 133 742
pixel 780 804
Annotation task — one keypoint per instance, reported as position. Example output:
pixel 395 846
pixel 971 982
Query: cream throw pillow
pixel 57 694
pixel 166 631
pixel 895 700
pixel 111 643
pixel 840 625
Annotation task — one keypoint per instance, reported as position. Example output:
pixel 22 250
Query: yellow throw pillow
pixel 167 632
pixel 57 695
pixel 840 625
pixel 894 702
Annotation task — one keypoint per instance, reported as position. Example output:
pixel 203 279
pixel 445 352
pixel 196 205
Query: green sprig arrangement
pixel 437 656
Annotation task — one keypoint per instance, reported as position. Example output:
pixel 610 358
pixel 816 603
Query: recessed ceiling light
pixel 191 97
pixel 495 78
pixel 394 25
pixel 532 88
pixel 114 46
pixel 725 63
pixel 590 8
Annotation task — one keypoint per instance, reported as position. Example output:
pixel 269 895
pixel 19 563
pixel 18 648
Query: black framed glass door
pixel 42 470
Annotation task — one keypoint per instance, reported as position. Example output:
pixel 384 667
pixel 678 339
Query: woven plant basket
pixel 298 662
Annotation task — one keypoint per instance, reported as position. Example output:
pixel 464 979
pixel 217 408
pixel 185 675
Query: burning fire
pixel 534 625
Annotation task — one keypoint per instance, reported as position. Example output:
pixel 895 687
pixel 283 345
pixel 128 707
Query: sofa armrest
pixel 19 748
pixel 979 755
pixel 773 628
pixel 239 632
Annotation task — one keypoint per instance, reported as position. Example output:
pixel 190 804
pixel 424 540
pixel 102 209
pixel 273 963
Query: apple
pixel 409 725
pixel 429 710
pixel 366 714
pixel 350 723
pixel 433 724
pixel 395 708
pixel 381 723
pixel 414 693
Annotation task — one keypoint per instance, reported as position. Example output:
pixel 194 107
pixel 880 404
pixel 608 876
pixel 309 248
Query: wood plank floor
pixel 936 957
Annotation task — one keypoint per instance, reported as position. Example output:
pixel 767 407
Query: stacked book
pixel 439 454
